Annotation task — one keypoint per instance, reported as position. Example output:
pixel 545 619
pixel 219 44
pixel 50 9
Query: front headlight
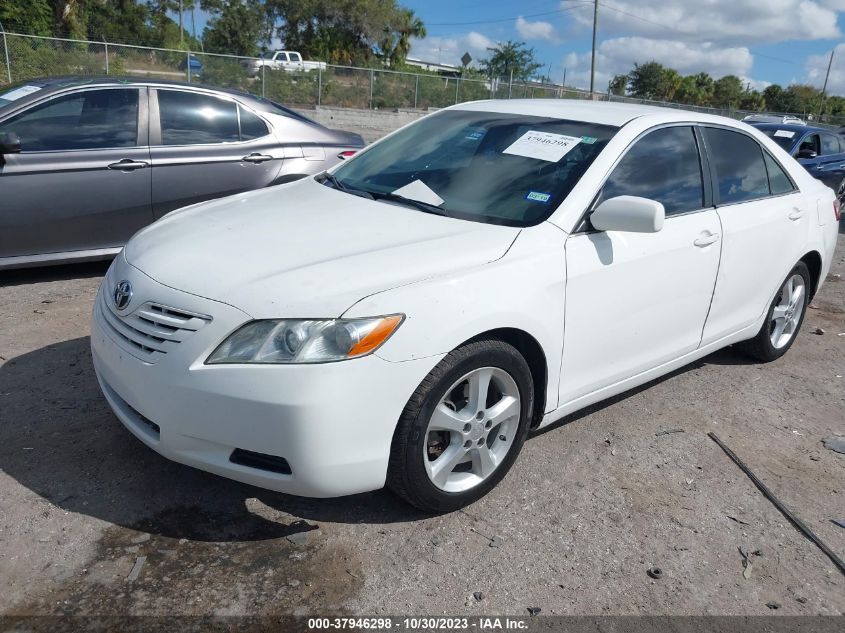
pixel 305 341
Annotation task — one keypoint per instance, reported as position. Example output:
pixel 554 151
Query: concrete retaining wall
pixel 371 124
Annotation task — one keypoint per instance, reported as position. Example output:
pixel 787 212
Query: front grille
pixel 152 329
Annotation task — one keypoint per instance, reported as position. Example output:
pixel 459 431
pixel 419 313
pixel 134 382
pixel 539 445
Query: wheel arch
pixel 813 261
pixel 534 355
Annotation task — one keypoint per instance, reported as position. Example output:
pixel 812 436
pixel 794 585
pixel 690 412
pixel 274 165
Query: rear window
pixel 740 169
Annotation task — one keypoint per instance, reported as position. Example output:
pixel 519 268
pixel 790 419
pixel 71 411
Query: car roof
pixel 790 127
pixel 600 112
pixel 50 85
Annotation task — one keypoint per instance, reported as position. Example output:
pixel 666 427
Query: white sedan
pixel 406 319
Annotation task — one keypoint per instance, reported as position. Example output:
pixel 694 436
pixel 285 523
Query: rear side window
pixel 830 144
pixel 252 126
pixel 91 119
pixel 663 166
pixel 779 182
pixel 195 119
pixel 740 169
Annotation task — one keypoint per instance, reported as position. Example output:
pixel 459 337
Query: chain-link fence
pixel 28 57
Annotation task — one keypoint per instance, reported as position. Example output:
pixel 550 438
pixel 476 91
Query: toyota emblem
pixel 122 294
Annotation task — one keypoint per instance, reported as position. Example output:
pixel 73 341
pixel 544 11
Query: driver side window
pixel 664 166
pixel 809 146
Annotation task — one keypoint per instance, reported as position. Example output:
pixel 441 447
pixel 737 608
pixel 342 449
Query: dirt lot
pixel 590 505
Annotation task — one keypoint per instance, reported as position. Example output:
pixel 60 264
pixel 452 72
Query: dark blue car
pixel 820 151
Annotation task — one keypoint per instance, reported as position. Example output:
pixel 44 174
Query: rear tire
pixel 472 413
pixel 784 318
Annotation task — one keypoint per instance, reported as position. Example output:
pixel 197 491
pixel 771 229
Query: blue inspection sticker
pixel 475 134
pixel 588 140
pixel 538 196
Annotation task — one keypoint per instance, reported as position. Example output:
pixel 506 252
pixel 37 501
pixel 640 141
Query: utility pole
pixel 824 88
pixel 181 30
pixel 593 63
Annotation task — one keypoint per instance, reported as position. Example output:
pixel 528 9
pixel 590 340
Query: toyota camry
pixel 406 318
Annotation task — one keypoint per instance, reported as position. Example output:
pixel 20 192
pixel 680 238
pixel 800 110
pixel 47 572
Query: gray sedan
pixel 86 162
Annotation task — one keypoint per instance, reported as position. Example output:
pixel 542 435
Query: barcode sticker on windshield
pixel 785 133
pixel 543 146
pixel 17 93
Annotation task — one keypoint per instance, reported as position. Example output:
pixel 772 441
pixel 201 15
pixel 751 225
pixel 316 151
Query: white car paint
pixel 610 310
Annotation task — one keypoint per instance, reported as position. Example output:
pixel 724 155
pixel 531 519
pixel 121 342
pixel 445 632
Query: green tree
pixel 670 81
pixel 688 91
pixel 775 98
pixel 752 100
pixel 236 26
pixel 34 17
pixel 618 85
pixel 511 57
pixel 344 31
pixel 727 92
pixel 646 81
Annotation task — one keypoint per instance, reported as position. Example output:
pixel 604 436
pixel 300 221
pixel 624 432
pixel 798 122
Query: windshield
pixel 784 138
pixel 483 166
pixel 18 91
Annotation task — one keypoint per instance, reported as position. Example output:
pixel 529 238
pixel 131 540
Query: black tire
pixel 406 474
pixel 760 347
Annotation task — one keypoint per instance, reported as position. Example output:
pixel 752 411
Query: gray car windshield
pixel 482 166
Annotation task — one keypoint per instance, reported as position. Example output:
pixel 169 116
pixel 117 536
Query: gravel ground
pixel 590 506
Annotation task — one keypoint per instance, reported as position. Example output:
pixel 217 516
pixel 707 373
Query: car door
pixel 762 212
pixel 635 301
pixel 204 146
pixel 830 165
pixel 82 178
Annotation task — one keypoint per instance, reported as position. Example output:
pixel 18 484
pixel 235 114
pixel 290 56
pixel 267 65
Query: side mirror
pixel 629 213
pixel 10 143
pixel 807 153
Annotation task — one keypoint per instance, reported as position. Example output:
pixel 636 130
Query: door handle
pixel 706 239
pixel 127 164
pixel 796 214
pixel 256 158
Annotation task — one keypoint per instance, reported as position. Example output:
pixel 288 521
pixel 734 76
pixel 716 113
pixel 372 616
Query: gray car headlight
pixel 305 340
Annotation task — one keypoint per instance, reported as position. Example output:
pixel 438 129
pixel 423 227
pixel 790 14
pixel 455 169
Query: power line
pixel 511 19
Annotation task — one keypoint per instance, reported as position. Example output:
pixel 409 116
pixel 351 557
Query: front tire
pixel 784 318
pixel 463 427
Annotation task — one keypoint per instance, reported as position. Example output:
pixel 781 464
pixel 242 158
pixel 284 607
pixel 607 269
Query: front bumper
pixel 333 423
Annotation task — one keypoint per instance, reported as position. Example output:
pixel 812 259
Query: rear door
pixel 205 146
pixel 830 165
pixel 637 300
pixel 764 219
pixel 82 179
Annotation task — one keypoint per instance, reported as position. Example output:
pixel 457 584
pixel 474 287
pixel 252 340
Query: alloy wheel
pixel 787 312
pixel 472 429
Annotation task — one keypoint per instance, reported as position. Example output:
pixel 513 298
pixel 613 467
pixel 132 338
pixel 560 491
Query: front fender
pixel 524 290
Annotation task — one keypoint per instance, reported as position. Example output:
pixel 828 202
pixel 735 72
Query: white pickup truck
pixel 290 61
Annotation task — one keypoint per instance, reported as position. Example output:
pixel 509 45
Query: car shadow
pixel 59 439
pixel 25 276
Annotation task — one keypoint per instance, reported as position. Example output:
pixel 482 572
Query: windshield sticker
pixel 538 196
pixel 543 146
pixel 588 140
pixel 785 133
pixel 421 192
pixel 17 93
pixel 475 134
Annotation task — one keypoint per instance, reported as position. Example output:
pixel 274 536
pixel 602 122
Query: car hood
pixel 304 250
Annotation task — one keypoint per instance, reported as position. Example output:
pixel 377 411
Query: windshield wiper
pixel 410 202
pixel 327 177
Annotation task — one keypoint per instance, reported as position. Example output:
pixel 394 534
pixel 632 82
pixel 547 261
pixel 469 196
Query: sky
pixel 761 41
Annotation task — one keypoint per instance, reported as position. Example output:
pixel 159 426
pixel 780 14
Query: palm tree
pixel 409 26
